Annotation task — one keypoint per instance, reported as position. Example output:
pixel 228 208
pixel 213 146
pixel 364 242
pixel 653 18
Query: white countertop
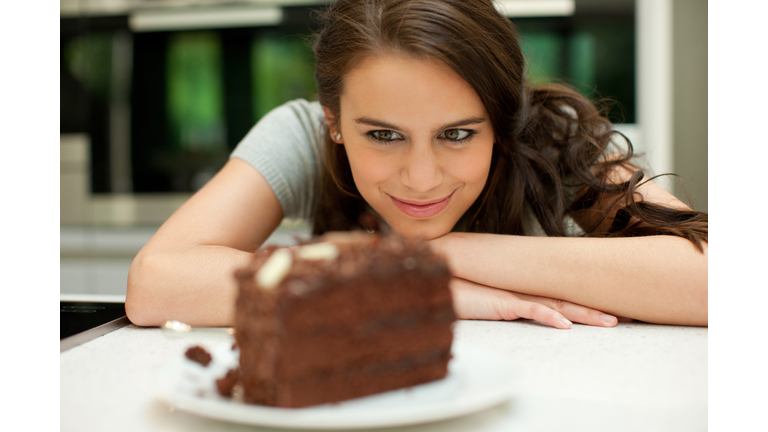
pixel 635 377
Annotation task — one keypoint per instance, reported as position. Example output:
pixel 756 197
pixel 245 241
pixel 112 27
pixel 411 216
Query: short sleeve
pixel 285 147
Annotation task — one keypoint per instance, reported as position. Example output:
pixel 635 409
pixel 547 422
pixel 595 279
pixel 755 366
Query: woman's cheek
pixel 369 168
pixel 473 167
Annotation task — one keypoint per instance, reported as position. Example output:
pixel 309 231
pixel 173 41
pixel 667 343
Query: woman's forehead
pixel 403 90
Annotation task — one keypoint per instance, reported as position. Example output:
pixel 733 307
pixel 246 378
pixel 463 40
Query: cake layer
pixel 364 300
pixel 349 383
pixel 348 347
pixel 292 349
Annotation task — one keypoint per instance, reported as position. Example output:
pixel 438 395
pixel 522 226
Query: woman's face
pixel 419 142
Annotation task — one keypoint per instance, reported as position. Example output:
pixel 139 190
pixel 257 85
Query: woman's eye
pixel 456 134
pixel 385 135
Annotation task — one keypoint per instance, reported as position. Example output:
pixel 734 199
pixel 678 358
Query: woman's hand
pixel 475 301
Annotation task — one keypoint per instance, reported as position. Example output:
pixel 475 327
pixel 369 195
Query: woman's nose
pixel 421 171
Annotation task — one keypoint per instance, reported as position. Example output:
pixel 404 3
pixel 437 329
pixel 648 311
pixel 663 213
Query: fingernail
pixel 566 322
pixel 608 319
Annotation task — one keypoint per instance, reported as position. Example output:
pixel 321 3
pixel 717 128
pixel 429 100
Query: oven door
pixel 82 321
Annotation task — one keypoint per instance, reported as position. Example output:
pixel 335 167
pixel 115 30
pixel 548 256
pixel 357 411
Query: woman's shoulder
pixel 298 112
pixel 298 123
pixel 285 146
pixel 303 107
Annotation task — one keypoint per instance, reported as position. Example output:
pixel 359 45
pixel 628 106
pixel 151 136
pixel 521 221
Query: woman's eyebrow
pixel 465 122
pixel 373 122
pixel 378 123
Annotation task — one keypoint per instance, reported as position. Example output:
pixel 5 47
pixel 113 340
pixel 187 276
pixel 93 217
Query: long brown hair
pixel 553 151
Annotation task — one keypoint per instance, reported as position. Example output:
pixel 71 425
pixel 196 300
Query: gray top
pixel 285 146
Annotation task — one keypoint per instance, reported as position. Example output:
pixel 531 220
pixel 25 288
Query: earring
pixel 337 136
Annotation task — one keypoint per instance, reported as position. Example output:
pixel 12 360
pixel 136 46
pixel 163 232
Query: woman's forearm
pixel 195 285
pixel 660 279
pixel 186 270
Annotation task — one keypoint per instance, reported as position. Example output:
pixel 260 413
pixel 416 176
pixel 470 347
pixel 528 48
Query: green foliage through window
pixel 195 94
pixel 283 70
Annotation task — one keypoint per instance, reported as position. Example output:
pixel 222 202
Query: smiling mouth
pixel 422 209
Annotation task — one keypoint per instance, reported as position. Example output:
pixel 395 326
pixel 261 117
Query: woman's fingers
pixel 575 312
pixel 538 312
pixel 474 301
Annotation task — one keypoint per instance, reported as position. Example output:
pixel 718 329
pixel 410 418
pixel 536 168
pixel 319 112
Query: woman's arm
pixel 185 271
pixel 655 279
pixel 660 279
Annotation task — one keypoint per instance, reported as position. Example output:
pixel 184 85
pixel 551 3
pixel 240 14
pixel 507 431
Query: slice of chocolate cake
pixel 347 316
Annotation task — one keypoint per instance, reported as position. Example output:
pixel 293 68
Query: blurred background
pixel 155 94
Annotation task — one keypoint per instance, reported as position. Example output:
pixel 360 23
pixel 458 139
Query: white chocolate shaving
pixel 275 269
pixel 318 251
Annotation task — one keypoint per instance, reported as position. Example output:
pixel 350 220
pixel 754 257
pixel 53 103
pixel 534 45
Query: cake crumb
pixel 198 354
pixel 226 383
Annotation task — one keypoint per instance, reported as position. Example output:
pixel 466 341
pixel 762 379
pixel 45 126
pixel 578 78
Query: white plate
pixel 476 380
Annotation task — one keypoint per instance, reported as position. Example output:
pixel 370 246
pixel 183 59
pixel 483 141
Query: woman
pixel 425 127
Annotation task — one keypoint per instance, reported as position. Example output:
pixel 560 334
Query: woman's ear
pixel 330 118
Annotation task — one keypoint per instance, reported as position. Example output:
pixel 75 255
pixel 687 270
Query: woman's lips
pixel 423 209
